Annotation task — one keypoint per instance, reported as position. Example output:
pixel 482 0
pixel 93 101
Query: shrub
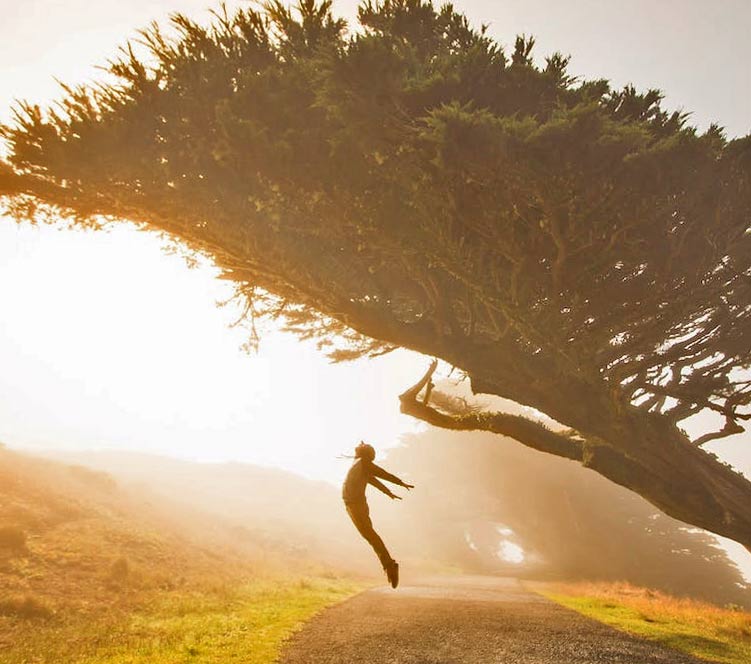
pixel 120 570
pixel 28 608
pixel 12 538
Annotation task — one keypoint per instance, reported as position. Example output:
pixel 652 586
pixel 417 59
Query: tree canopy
pixel 571 247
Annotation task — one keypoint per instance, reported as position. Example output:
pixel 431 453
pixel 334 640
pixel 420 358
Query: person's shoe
pixel 392 573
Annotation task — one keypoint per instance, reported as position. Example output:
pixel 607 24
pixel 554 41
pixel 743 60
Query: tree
pixel 573 248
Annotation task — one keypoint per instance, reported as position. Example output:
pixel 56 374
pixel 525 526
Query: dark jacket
pixel 361 474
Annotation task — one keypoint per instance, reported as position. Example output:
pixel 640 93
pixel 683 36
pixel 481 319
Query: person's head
pixel 365 451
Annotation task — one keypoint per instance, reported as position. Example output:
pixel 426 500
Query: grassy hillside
pixel 92 571
pixel 76 540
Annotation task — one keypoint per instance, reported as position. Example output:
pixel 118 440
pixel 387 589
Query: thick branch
pixel 530 433
pixel 731 428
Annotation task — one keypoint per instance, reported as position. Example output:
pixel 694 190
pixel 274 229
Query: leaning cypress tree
pixel 570 247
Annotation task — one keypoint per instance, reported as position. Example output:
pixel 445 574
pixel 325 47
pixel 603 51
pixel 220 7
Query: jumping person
pixel 362 473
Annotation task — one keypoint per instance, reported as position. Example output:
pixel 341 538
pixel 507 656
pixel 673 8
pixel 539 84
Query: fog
pixel 482 504
pixel 489 504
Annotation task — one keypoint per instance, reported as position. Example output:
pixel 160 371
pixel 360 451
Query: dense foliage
pixel 571 247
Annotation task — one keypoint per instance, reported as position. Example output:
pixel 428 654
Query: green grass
pixel 697 628
pixel 245 624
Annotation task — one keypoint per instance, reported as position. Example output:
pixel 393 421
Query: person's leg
pixel 360 515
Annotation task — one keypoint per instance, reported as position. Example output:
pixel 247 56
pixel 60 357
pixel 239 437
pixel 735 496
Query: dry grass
pixel 246 622
pixel 718 634
pixel 91 573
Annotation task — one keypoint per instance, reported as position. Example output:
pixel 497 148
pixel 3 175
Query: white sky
pixel 105 341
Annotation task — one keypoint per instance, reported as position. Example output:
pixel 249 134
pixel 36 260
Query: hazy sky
pixel 107 341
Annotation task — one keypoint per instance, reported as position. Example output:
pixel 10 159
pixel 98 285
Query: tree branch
pixel 730 429
pixel 530 433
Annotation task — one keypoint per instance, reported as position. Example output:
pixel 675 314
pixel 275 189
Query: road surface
pixel 464 620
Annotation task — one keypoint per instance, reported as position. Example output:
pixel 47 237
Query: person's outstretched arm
pixel 381 487
pixel 386 475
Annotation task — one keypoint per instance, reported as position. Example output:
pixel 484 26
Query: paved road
pixel 464 620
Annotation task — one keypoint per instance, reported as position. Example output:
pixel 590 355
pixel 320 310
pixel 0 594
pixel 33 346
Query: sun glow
pixel 508 550
pixel 106 341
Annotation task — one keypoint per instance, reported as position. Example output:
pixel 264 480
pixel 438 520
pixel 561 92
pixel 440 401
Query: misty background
pixel 482 504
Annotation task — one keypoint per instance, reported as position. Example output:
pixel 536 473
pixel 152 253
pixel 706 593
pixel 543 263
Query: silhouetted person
pixel 362 473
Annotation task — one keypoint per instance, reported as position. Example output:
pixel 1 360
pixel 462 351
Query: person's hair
pixel 365 451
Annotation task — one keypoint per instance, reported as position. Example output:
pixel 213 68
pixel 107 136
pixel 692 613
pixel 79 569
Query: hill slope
pixel 75 539
pixel 94 570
